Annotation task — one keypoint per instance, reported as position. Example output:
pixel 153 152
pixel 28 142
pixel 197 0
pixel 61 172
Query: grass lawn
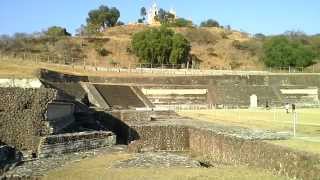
pixel 308 125
pixel 100 168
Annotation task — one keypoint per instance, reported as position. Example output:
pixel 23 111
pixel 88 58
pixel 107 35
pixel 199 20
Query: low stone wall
pixel 23 116
pixel 232 150
pixel 216 147
pixel 75 142
pixel 133 115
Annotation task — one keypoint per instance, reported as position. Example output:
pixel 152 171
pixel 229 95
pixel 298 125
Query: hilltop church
pixel 152 14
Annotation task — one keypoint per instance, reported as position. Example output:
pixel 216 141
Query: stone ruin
pixel 72 114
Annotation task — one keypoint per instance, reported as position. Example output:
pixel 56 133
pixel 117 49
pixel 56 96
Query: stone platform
pixel 74 142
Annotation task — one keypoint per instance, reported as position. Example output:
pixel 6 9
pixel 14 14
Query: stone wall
pixel 75 142
pixel 230 90
pixel 161 138
pixel 23 116
pixel 232 150
pixel 133 115
pixel 257 80
pixel 219 148
pixel 22 83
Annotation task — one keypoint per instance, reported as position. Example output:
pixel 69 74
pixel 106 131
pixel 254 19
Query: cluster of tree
pixel 100 19
pixel 53 42
pixel 57 32
pixel 161 46
pixel 210 23
pixel 169 19
pixel 295 51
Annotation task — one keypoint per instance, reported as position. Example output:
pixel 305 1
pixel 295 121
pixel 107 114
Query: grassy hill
pixel 216 48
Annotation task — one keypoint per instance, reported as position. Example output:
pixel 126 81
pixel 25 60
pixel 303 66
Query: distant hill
pixel 216 48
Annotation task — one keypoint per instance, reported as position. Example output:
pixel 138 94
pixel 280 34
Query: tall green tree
pixel 102 18
pixel 180 49
pixel 160 46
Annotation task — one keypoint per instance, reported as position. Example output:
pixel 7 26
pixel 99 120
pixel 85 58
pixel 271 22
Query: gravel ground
pixel 39 167
pixel 158 160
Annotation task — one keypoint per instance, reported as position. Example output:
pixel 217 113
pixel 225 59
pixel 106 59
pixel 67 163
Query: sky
pixel 253 16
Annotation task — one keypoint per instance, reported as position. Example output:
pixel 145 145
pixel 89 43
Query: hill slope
pixel 216 48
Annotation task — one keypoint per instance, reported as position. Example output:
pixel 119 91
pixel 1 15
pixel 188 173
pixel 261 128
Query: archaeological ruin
pixel 58 114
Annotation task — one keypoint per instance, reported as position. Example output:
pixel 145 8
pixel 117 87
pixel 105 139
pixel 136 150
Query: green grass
pixel 100 168
pixel 308 126
pixel 300 144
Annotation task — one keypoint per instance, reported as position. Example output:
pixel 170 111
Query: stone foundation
pixel 226 149
pixel 75 142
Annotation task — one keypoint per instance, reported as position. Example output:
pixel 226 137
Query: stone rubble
pixel 40 167
pixel 158 160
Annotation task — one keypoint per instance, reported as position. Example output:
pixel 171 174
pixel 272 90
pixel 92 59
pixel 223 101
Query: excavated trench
pixel 216 144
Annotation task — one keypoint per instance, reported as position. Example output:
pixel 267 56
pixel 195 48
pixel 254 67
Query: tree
pixel 280 51
pixel 210 23
pixel 102 18
pixel 165 17
pixel 180 49
pixel 56 32
pixel 160 46
pixel 143 14
pixel 181 22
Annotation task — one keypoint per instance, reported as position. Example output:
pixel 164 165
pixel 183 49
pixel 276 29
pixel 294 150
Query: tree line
pixel 162 45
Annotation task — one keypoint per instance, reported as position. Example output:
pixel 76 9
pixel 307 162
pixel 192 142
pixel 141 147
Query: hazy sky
pixel 253 16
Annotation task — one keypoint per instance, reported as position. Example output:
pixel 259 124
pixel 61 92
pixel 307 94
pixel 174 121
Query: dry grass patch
pixel 100 168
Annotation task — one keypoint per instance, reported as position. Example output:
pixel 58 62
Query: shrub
pixel 102 51
pixel 210 23
pixel 181 22
pixel 56 32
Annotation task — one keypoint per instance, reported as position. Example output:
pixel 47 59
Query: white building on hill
pixel 152 14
